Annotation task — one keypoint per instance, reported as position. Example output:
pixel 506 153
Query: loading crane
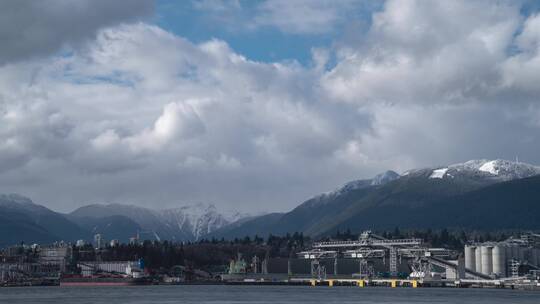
pixel 372 241
pixel 315 255
pixel 370 246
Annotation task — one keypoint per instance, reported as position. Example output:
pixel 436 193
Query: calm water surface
pixel 261 294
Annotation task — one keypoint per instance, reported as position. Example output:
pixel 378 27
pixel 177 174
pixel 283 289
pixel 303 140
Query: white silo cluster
pixel 499 260
pixel 486 254
pixel 495 259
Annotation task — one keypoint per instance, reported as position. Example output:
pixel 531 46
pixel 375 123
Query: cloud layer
pixel 34 28
pixel 140 115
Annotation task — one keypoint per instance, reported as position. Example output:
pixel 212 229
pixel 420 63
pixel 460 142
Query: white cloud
pixel 194 162
pixel 529 39
pixel 147 104
pixel 35 28
pixel 520 71
pixel 178 121
pixel 427 52
pixel 105 140
pixel 227 162
pixel 141 115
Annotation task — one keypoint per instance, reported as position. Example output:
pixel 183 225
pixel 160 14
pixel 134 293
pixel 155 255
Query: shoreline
pixel 392 284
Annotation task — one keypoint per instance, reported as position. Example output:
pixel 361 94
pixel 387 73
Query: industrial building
pixel 57 254
pixel 509 258
pixel 99 241
pixel 92 268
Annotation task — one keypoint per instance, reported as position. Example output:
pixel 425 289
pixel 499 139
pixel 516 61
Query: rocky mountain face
pixel 198 220
pixel 186 223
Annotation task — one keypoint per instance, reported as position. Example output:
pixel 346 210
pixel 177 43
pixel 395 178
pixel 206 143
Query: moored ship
pixel 104 281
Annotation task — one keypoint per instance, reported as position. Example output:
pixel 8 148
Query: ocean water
pixel 261 294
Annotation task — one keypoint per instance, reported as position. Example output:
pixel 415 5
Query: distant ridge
pixel 419 198
pixel 23 221
pixel 477 194
pixel 186 223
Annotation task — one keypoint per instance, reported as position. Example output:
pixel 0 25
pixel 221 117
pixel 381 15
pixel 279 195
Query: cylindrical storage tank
pixel 508 253
pixel 531 255
pixel 528 255
pixel 515 252
pixel 470 257
pixel 499 260
pixel 478 256
pixel 534 257
pixel 521 255
pixel 487 260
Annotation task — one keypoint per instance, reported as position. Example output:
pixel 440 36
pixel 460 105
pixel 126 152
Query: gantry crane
pixel 367 242
pixel 315 255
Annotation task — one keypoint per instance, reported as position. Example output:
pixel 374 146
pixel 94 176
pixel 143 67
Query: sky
pixel 256 105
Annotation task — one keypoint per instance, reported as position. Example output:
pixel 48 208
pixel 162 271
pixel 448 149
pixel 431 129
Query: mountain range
pixel 21 220
pixel 478 194
pixel 186 223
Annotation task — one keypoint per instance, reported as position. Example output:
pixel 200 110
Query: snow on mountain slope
pixel 483 171
pixel 497 170
pixel 199 219
pixel 490 167
pixel 438 173
pixel 189 222
pixel 378 180
pixel 384 178
pixel 193 222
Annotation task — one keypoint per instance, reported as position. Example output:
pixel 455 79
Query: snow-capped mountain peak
pixel 383 178
pixel 439 173
pixel 490 167
pixel 186 223
pixel 377 180
pixel 498 169
pixel 198 219
pixel 15 199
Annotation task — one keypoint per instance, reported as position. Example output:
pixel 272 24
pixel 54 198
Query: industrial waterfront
pixel 370 260
pixel 512 263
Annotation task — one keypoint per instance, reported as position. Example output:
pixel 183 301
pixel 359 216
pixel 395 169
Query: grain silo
pixel 522 254
pixel 478 257
pixel 487 259
pixel 515 252
pixel 470 257
pixel 499 260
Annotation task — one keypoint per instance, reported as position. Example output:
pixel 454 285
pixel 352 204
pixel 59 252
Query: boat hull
pixel 103 282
